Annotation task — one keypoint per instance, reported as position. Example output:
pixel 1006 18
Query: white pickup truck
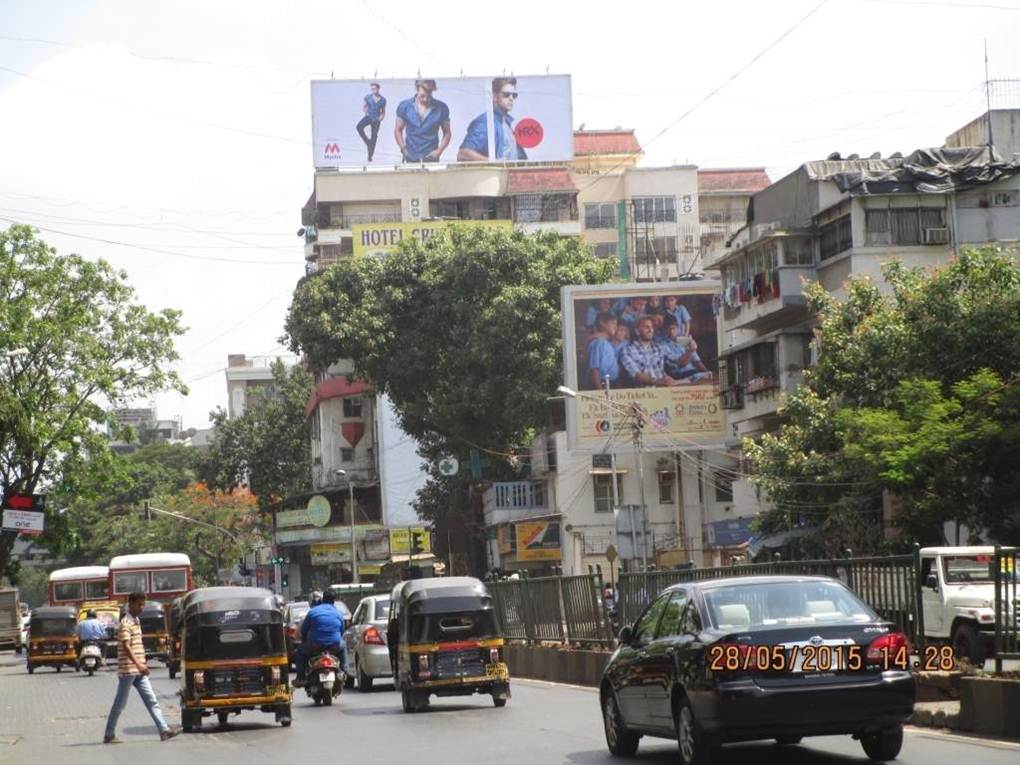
pixel 958 599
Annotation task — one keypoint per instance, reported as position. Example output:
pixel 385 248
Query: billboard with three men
pixel 657 344
pixel 443 120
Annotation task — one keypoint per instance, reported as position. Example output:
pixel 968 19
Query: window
pixel 600 215
pixel 558 207
pixel 654 209
pixel 907 226
pixel 170 581
pixel 723 482
pixel 836 237
pixel 606 250
pixel 528 208
pixel 128 582
pixel 352 407
pixel 97 590
pixel 346 454
pixel 670 623
pixel 604 493
pixel 67 591
pixel 644 630
pixel 798 251
pixel 666 481
pixel 448 208
pixel 650 249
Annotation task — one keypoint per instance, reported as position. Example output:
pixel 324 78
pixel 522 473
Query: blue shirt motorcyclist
pixel 90 628
pixel 322 629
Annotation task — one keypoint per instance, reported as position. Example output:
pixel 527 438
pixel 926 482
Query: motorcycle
pixel 91 657
pixel 324 680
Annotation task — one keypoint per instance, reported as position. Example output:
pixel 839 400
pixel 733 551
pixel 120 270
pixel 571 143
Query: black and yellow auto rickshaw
pixel 234 656
pixel 444 640
pixel 155 635
pixel 53 638
pixel 173 648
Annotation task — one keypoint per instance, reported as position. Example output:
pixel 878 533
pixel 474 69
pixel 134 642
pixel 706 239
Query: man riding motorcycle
pixel 321 630
pixel 91 629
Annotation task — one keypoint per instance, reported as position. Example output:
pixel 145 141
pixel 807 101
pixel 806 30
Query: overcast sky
pixel 172 137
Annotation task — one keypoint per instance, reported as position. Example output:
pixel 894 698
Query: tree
pixel 462 332
pixel 268 448
pixel 908 383
pixel 90 347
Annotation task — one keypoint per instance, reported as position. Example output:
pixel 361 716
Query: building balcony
pixel 733 397
pixel 507 501
pixel 772 299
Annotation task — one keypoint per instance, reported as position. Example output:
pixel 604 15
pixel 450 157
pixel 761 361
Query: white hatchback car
pixel 368 656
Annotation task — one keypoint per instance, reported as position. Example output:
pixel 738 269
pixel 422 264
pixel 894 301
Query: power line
pixel 946 4
pixel 157 112
pixel 154 249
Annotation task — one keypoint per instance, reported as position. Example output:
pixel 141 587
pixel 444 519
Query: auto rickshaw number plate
pixel 499 669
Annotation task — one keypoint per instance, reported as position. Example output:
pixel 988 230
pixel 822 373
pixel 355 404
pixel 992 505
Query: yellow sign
pixel 330 553
pixel 369 568
pixel 317 513
pixel 538 540
pixel 400 540
pixel 384 238
pixel 684 415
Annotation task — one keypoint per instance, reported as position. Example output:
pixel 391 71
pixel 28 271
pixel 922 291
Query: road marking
pixel 550 684
pixel 965 738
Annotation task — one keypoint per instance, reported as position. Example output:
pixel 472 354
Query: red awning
pixel 539 181
pixel 336 387
pixel 588 142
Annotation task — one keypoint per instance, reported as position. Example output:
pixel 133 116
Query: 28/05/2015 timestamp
pixel 734 657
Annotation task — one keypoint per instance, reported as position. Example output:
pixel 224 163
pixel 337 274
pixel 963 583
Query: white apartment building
pixel 825 222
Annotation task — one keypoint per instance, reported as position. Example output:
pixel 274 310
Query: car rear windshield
pixel 783 604
pixel 382 610
pixel 153 624
pixel 52 627
pixel 297 613
pixel 445 628
pixel 234 642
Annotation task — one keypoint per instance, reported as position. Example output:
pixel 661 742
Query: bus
pixel 74 586
pixel 161 576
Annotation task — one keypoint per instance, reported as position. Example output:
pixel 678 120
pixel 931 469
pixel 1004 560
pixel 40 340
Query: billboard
pixel 659 345
pixel 446 120
pixel 384 238
pixel 538 540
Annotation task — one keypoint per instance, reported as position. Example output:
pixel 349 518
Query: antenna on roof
pixel 988 95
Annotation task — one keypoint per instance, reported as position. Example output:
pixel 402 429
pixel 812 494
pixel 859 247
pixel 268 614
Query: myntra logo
pixel 332 150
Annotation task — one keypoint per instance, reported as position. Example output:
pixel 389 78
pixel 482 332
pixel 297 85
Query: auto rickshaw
pixel 444 640
pixel 53 638
pixel 155 635
pixel 173 648
pixel 233 655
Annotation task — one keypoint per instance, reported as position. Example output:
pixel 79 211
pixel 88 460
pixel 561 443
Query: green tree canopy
pixel 912 393
pixel 268 447
pixel 90 347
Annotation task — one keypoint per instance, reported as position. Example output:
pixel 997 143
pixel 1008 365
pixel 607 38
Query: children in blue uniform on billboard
pixel 643 341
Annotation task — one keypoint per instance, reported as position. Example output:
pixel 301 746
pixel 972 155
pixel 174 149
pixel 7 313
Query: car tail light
pixel 493 656
pixel 372 637
pixel 884 649
pixel 291 632
pixel 199 680
pixel 423 666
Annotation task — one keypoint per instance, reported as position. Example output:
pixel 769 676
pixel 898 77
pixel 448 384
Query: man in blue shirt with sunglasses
pixel 475 147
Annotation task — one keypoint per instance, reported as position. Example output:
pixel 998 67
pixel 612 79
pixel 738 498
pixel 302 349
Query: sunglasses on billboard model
pixel 510 95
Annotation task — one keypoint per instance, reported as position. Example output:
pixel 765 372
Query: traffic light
pixel 283 581
pixel 278 560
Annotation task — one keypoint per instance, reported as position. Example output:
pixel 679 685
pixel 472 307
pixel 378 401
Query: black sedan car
pixel 753 658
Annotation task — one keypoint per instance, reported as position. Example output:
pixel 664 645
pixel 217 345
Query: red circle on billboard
pixel 529 133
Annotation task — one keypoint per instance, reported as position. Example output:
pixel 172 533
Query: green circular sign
pixel 319 510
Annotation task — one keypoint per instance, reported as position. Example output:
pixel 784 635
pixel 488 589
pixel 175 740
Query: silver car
pixel 368 657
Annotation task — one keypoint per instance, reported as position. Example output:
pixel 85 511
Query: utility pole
pixel 616 478
pixel 354 547
pixel 638 454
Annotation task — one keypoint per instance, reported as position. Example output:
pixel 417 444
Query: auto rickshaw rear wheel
pixel 222 717
pixel 31 669
pixel 59 667
pixel 190 720
pixel 498 701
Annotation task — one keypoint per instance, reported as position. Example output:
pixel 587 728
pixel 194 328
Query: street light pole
pixel 639 455
pixel 354 546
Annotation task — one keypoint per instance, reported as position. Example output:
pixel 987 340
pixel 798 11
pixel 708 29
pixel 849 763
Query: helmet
pixel 315 598
pixel 91 614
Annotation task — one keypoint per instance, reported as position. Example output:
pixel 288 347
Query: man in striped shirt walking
pixel 132 671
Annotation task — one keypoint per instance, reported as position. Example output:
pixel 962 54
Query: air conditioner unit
pixel 936 236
